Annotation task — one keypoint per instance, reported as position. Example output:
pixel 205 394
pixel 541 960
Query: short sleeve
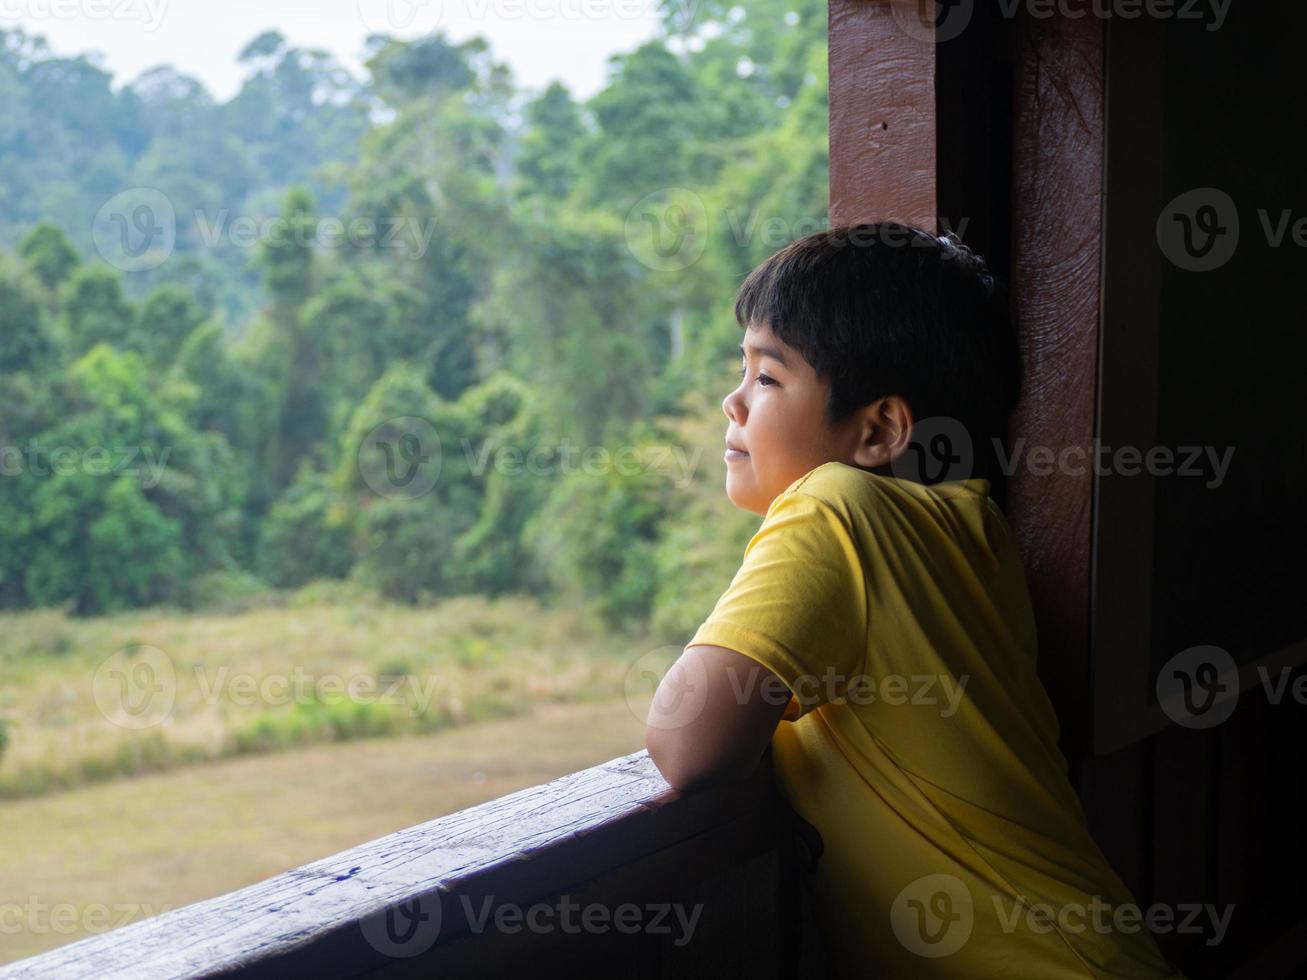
pixel 798 604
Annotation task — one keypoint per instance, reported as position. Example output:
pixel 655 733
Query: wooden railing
pixel 604 872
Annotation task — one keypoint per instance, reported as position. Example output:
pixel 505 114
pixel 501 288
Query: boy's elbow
pixel 678 777
pixel 666 762
pixel 685 773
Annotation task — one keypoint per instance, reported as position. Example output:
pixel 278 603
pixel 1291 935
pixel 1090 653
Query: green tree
pixel 49 254
pixel 294 352
pixel 168 316
pixel 549 157
pixel 228 397
pixel 286 257
pixel 127 501
pixel 96 310
pixel 409 504
pixel 26 342
pixel 650 118
pixel 565 311
pixel 596 536
pixel 105 547
pixel 297 544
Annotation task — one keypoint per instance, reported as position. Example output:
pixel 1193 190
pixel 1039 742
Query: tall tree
pixel 96 310
pixel 49 254
pixel 287 262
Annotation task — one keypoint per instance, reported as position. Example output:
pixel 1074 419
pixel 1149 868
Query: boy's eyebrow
pixel 766 351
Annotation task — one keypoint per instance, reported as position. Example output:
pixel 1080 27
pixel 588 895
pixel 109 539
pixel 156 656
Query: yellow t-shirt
pixel 918 740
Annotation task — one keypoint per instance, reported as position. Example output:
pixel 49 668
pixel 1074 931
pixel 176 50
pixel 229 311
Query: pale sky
pixel 540 39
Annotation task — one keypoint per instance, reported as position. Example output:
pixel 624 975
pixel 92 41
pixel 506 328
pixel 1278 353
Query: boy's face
pixel 777 417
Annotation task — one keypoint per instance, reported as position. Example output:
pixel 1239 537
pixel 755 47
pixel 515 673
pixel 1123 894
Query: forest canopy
pixel 421 331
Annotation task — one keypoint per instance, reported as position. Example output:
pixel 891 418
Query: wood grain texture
pixel 1057 236
pixel 882 117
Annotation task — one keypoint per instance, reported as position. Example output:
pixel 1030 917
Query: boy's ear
pixel 886 431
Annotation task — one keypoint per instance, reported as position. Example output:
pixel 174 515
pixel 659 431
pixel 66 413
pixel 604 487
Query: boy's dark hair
pixel 886 308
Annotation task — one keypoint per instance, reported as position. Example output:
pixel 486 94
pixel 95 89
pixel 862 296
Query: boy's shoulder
pixel 834 480
pixel 851 489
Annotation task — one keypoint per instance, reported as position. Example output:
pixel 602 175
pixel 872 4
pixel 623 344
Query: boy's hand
pixel 712 717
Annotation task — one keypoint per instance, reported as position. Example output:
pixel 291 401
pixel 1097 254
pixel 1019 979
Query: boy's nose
pixel 733 406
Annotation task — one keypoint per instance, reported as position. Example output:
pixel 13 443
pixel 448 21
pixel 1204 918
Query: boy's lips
pixel 733 453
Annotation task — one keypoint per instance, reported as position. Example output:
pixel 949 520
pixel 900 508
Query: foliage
pixel 435 248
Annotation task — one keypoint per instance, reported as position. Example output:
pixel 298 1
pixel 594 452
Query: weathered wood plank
pixel 882 115
pixel 1057 236
pixel 329 916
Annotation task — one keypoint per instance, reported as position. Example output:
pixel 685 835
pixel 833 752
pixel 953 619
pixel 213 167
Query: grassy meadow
pixel 318 666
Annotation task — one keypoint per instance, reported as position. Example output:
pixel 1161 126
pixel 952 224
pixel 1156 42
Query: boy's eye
pixel 762 378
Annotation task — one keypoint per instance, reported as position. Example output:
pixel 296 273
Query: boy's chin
pixel 744 499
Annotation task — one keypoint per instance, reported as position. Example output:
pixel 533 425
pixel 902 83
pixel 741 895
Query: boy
pixel 883 599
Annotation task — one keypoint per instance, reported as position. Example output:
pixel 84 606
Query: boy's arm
pixel 712 717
